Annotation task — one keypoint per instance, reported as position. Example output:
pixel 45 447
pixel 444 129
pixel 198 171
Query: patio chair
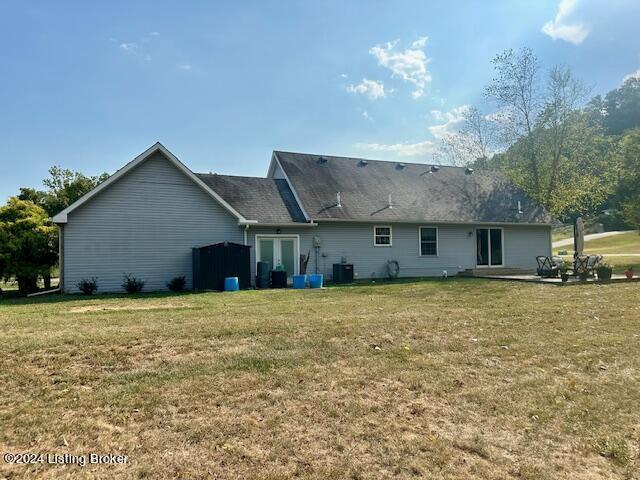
pixel 546 267
pixel 581 265
pixel 594 262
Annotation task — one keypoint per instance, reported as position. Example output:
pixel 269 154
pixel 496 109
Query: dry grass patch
pixel 455 379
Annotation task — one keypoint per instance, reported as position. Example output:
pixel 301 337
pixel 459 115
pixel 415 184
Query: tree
pixel 475 143
pixel 628 193
pixel 562 123
pixel 63 188
pixel 555 147
pixel 32 195
pixel 516 92
pixel 28 243
pixel 622 107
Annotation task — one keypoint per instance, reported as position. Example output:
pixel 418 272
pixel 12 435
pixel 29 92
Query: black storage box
pixel 342 273
pixel 212 263
pixel 278 279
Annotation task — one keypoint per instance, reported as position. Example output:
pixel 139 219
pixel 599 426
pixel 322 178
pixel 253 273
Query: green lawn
pixel 428 379
pixel 614 249
pixel 628 242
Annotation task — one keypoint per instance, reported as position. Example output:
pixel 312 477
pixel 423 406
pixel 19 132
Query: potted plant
pixel 604 271
pixel 563 268
pixel 629 273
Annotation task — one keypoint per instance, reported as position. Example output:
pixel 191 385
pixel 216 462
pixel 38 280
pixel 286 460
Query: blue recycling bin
pixel 299 281
pixel 315 280
pixel 231 284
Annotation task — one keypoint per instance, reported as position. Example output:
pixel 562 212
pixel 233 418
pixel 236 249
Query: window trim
pixel 375 244
pixel 437 254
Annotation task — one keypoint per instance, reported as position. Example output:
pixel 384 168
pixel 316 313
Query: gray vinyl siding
pixel 456 248
pixel 145 224
pixel 523 244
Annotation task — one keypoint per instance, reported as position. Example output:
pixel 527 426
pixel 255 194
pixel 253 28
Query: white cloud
pixel 635 75
pixel 559 28
pixel 131 47
pixel 410 65
pixel 344 75
pixel 154 34
pixel 401 149
pixel 451 121
pixel 185 66
pixel 366 116
pixel 371 88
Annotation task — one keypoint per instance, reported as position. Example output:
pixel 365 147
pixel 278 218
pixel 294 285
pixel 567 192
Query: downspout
pixel 61 257
pixel 246 229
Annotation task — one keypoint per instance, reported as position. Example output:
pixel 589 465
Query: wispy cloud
pixel 366 116
pixel 154 34
pixel 371 88
pixel 344 75
pixel 560 28
pixel 410 65
pixel 185 66
pixel 451 121
pixel 131 47
pixel 420 149
pixel 635 75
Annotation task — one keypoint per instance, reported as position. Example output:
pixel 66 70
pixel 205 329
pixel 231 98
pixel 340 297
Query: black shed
pixel 212 263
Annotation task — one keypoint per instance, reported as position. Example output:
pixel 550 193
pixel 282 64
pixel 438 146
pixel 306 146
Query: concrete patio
pixel 530 278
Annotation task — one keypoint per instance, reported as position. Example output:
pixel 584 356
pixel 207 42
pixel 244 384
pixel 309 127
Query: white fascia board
pixel 157 147
pixel 430 222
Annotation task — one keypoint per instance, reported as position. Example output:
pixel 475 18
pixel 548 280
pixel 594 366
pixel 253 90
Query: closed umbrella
pixel 578 237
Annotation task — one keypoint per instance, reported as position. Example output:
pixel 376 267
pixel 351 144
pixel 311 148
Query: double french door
pixel 489 251
pixel 278 250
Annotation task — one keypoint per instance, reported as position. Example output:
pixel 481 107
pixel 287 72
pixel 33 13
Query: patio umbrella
pixel 578 237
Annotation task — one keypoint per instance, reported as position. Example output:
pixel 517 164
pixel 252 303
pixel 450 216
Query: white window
pixel 382 236
pixel 428 241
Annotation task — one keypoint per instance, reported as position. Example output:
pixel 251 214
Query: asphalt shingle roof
pixel 418 193
pixel 266 200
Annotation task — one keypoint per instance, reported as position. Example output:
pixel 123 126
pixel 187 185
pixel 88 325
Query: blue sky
pixel 89 85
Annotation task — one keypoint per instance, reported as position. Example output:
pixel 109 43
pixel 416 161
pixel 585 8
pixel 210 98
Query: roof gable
pixel 267 200
pixel 157 147
pixel 374 190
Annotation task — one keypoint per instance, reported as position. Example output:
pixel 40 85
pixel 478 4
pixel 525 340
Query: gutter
pixel 423 221
pixel 255 223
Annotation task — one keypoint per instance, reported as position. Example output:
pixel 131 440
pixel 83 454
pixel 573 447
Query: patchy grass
pixel 621 251
pixel 433 379
pixel 625 243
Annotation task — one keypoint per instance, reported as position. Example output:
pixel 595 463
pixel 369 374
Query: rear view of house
pixel 425 219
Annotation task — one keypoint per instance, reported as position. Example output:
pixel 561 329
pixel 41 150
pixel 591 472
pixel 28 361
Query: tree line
pixel 28 238
pixel 574 154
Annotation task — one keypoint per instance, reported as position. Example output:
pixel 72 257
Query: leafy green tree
pixel 28 243
pixel 552 149
pixel 32 195
pixel 628 193
pixel 622 107
pixel 64 187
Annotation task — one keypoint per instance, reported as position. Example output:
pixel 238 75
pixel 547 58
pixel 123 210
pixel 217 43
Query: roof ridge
pixel 368 159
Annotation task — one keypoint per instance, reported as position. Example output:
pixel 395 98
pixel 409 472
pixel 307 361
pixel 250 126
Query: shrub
pixel 132 284
pixel 177 284
pixel 88 287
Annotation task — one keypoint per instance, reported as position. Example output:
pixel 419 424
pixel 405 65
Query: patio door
pixel 278 250
pixel 489 252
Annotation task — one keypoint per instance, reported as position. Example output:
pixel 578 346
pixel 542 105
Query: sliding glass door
pixel 489 251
